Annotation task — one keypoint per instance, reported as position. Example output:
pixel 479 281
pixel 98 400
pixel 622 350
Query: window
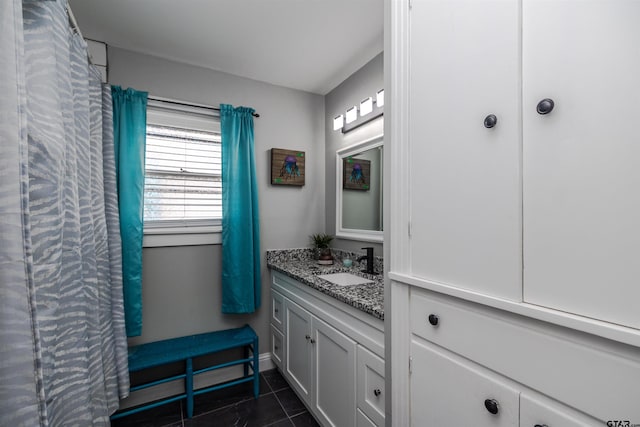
pixel 183 175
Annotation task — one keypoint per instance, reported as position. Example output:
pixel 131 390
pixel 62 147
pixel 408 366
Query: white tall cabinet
pixel 515 195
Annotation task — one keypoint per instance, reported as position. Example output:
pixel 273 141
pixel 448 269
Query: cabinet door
pixel 581 161
pixel 334 397
pixel 277 347
pixel 371 385
pixel 446 392
pixel 298 357
pixel 277 302
pixel 464 186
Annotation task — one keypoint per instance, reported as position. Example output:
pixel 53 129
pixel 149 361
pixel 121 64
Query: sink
pixel 345 279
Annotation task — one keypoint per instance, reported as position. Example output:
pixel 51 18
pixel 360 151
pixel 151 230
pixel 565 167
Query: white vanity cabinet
pixel 332 355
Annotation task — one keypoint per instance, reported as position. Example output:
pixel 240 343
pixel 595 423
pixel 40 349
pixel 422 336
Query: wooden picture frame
pixel 287 167
pixel 356 174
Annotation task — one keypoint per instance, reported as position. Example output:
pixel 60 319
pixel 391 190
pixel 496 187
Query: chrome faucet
pixel 369 258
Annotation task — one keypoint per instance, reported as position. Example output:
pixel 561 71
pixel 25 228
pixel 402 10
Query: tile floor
pixel 277 406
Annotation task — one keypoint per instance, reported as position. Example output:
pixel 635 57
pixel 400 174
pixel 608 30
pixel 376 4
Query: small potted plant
pixel 321 243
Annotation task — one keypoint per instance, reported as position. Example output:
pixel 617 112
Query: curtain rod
pixel 206 107
pixel 76 28
pixel 72 19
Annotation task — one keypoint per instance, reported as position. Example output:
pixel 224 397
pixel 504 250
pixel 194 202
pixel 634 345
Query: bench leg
pixel 256 368
pixel 246 356
pixel 189 387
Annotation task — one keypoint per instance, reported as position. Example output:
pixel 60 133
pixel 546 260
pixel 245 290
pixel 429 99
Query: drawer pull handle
pixel 433 319
pixel 491 405
pixel 377 392
pixel 490 121
pixel 540 425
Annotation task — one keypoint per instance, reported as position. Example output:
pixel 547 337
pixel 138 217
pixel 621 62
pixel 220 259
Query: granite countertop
pixel 299 264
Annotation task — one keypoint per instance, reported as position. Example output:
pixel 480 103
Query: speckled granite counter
pixel 299 264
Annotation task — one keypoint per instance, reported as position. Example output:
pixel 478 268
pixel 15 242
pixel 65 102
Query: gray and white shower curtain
pixel 63 350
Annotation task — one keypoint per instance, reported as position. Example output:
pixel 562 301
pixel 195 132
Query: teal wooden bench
pixel 185 349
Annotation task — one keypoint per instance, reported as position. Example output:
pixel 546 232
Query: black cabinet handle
pixel 490 121
pixel 545 106
pixel 275 310
pixel 307 337
pixel 377 392
pixel 312 341
pixel 540 425
pixel 491 405
pixel 433 319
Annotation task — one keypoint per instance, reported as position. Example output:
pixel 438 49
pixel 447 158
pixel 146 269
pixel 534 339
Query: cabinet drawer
pixel 571 367
pixel 446 391
pixel 371 385
pixel 543 412
pixel 363 421
pixel 277 350
pixel 277 309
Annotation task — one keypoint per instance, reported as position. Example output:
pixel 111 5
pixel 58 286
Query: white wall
pixel 363 83
pixel 181 285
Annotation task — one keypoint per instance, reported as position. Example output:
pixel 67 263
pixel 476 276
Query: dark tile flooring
pixel 277 406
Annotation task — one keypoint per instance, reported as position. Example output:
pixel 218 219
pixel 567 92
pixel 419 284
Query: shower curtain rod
pixel 76 28
pixel 72 20
pixel 205 107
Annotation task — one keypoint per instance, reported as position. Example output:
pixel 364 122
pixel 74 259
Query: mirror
pixel 359 190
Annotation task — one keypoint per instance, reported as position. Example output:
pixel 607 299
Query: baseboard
pixel 205 379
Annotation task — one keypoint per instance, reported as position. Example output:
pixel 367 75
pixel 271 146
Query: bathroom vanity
pixel 327 339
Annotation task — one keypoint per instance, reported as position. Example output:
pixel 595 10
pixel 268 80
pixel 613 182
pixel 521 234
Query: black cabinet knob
pixel 545 106
pixel 433 319
pixel 377 392
pixel 491 405
pixel 490 121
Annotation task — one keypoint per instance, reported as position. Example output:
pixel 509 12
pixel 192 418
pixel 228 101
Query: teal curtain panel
pixel 129 133
pixel 240 216
pixel 63 347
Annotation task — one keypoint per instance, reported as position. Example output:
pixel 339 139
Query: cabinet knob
pixel 307 337
pixel 433 319
pixel 491 405
pixel 275 347
pixel 490 121
pixel 275 310
pixel 545 106
pixel 377 392
pixel 312 341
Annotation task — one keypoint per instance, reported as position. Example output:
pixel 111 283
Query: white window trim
pixel 156 235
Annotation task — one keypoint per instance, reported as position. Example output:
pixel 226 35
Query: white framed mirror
pixel 359 195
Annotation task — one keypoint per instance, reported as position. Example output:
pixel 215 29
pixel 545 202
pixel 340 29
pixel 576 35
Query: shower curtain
pixel 63 350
